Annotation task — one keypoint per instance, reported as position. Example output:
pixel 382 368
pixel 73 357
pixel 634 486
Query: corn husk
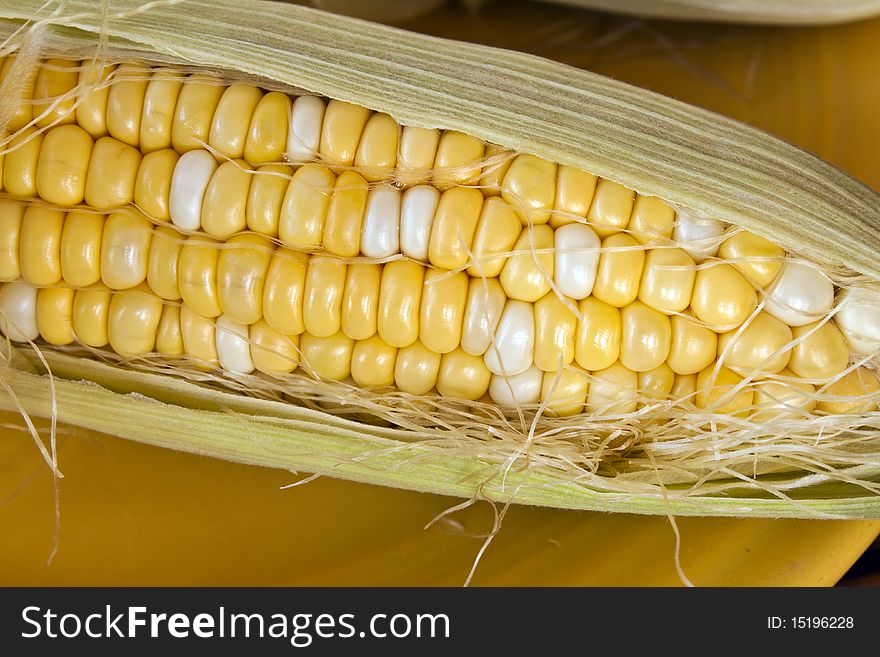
pixel 650 143
pixel 779 12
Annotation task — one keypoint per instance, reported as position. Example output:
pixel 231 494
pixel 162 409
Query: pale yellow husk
pixel 650 143
pixel 781 12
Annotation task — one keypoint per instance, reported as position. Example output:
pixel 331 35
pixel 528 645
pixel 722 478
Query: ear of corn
pixel 421 312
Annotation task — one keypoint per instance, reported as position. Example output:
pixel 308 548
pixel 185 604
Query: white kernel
pixel 800 294
pixel 233 348
pixel 575 271
pixel 18 311
pixel 304 134
pixel 513 349
pixel 858 318
pixel 190 179
pixel 381 231
pixel 416 216
pixel 518 390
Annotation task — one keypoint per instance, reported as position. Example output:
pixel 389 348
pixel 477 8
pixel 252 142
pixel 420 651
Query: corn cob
pixel 246 229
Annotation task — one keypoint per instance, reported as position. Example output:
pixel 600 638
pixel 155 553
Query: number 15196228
pixel 810 623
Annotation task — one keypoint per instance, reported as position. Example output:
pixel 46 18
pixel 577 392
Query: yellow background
pixel 131 514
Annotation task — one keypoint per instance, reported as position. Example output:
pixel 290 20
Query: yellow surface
pixel 131 514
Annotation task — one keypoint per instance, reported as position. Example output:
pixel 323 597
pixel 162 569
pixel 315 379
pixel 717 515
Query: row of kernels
pixel 84 248
pixel 136 322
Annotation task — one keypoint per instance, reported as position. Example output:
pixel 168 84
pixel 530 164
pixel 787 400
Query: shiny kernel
pixel 199 336
pixel 785 397
pixel 372 362
pixel 132 322
pixel 820 351
pixel 555 332
pixel 197 276
pixel 272 351
pixel 152 189
pixel 380 232
pixel 112 174
pixel 719 393
pixel 455 223
pixel 458 160
pixel 81 248
pixel 341 132
pixel 11 214
pixel 417 150
pixel 232 118
pixel 360 300
pixel 462 376
pixel 399 302
pixel 266 197
pixel 322 303
pixel 377 151
pixel 613 391
pixel 304 129
pixel 225 199
pixel 233 350
pixel 657 383
pixel 599 332
pixel 55 78
pixel 759 347
pixel 756 257
pixel 21 162
pixel 267 133
pixel 329 358
pixel 301 223
pixel 497 161
pixel 854 392
pixel 39 248
pixel 416 369
pixel 645 338
pixel 693 346
pixel 523 389
pixel 169 338
pixel 241 276
pixel 55 315
pixel 526 276
pixel 194 112
pixel 125 103
pixel 91 311
pixel 564 393
pixel 345 215
pixel 91 111
pixel 63 162
pixel 652 220
pixel 574 196
pixel 530 188
pixel 157 117
pixel 668 280
pixel 163 262
pixel 485 303
pixel 283 292
pixel 125 250
pixel 18 311
pixel 442 310
pixel 722 297
pixel 576 260
pixel 620 271
pixel 611 208
pixel 684 387
pixel 498 228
